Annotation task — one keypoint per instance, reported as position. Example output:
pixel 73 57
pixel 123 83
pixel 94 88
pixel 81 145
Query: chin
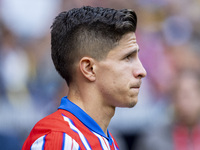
pixel 133 103
pixel 130 104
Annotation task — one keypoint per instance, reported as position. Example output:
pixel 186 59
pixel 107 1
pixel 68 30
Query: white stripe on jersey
pixel 39 143
pixel 82 137
pixel 69 143
pixel 104 143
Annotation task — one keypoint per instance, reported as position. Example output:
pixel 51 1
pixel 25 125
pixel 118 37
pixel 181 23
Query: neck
pixel 93 105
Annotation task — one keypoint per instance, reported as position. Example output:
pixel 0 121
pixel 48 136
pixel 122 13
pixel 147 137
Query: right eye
pixel 128 57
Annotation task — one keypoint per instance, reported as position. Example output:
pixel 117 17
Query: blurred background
pixel 168 111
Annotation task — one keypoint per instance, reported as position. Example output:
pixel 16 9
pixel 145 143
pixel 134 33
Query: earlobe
pixel 86 65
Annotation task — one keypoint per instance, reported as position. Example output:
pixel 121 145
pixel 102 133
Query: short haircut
pixel 87 31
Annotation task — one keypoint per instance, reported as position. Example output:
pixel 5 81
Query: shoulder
pixel 52 122
pixel 51 130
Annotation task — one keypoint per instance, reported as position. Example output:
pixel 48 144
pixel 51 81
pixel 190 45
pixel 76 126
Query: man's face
pixel 119 74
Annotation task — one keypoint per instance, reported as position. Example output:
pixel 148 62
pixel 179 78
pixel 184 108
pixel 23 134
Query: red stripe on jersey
pixel 53 141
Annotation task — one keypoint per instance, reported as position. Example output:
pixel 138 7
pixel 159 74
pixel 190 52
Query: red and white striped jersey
pixel 69 128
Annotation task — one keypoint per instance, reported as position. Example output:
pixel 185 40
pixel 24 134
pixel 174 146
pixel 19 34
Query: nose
pixel 139 71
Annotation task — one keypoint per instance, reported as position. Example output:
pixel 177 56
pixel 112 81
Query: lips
pixel 137 85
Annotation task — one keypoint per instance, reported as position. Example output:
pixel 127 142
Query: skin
pixel 101 86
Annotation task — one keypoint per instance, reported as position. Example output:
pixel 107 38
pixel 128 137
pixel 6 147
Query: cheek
pixel 116 79
pixel 115 76
pixel 111 83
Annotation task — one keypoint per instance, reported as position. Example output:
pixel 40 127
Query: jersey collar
pixel 67 105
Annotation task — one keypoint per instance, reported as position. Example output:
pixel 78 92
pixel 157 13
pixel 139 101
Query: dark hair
pixel 87 31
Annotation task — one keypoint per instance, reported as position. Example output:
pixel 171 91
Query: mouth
pixel 136 86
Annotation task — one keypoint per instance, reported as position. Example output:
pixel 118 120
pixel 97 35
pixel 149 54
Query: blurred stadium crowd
pixel 168 34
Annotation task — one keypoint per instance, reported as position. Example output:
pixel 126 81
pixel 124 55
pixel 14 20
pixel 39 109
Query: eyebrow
pixel 132 52
pixel 136 50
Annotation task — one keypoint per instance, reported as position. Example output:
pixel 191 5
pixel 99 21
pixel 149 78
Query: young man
pixel 95 51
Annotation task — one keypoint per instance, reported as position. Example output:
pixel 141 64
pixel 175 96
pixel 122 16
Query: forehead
pixel 126 44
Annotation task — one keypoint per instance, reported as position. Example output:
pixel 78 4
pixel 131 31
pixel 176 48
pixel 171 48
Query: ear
pixel 86 65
